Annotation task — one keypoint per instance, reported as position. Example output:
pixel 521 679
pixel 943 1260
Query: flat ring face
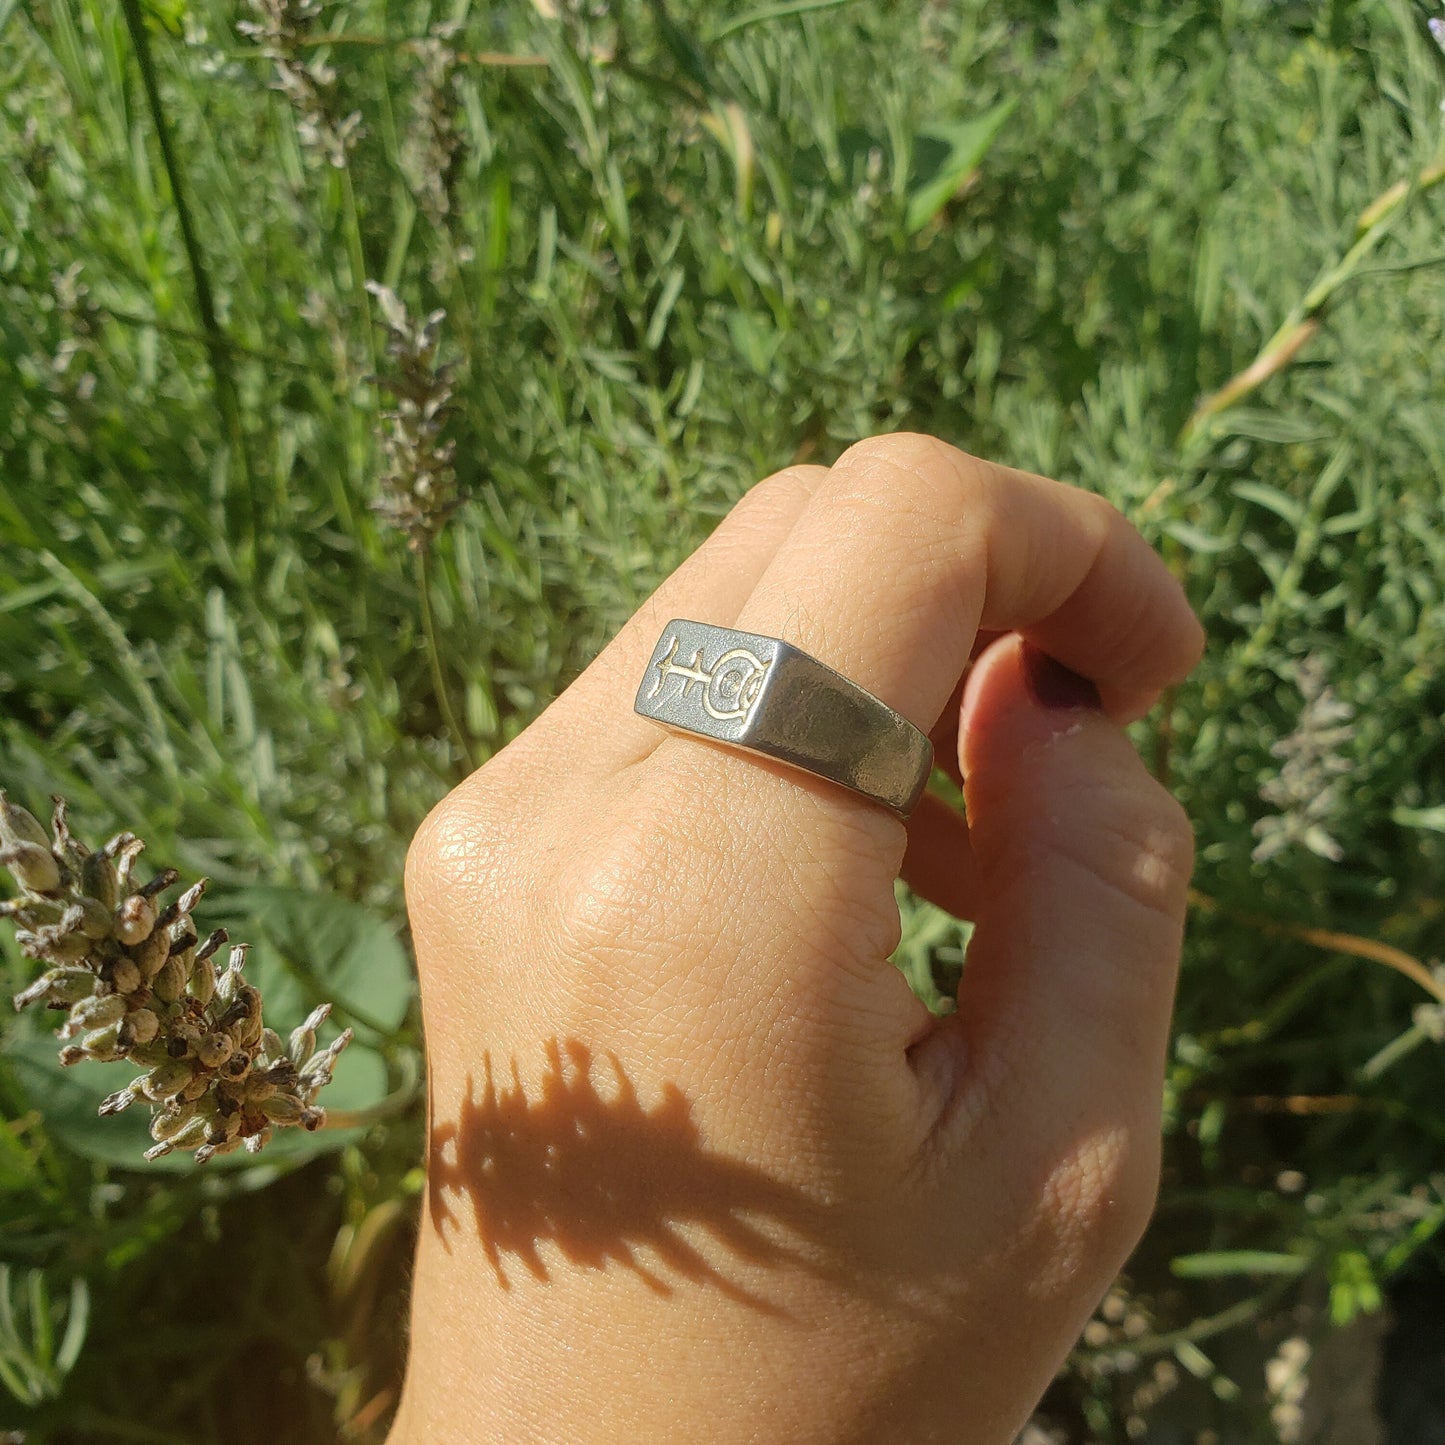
pixel 764 696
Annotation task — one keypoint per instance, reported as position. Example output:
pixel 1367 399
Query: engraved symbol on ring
pixel 729 691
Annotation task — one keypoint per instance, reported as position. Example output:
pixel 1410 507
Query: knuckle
pixel 781 490
pixel 1095 1204
pixel 1165 843
pixel 917 472
pixel 616 891
pixel 1141 844
pixel 460 854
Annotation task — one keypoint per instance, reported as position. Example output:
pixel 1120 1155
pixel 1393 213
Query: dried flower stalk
pixel 309 84
pixel 1307 789
pixel 137 983
pixel 431 152
pixel 419 483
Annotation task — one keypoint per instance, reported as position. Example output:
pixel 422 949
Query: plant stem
pixel 218 350
pixel 357 258
pixel 433 653
pixel 1350 943
pixel 1300 326
pixel 1206 1328
pixel 393 1103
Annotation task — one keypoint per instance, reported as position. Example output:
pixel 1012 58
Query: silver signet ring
pixel 763 695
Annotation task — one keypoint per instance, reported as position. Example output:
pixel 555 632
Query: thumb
pixel 1083 865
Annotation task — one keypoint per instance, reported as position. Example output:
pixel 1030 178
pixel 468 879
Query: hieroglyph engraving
pixel 729 691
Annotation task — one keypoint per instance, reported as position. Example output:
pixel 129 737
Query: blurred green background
pixel 1185 254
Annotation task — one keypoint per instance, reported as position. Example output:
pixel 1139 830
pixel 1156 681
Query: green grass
pixel 680 248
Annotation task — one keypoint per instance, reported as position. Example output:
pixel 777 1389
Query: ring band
pixel 763 695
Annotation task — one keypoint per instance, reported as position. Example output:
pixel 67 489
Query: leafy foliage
pixel 676 249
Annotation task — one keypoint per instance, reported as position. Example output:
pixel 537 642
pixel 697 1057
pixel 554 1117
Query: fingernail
pixel 1055 686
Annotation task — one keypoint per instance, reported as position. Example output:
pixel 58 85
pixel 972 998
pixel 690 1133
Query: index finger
pixel 910 546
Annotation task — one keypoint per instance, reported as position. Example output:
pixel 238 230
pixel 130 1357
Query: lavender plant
pixel 308 83
pixel 136 982
pixel 1307 791
pixel 432 151
pixel 418 483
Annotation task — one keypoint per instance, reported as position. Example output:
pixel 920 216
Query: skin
pixel 702 1167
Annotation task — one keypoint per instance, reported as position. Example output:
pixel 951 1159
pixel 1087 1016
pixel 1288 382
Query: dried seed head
pixel 53 943
pixel 282 1109
pixel 166 1080
pixel 212 943
pixel 256 1142
pixel 128 849
pixel 303 1039
pixel 230 978
pixel 146 1056
pixel 122 1099
pixel 170 982
pixel 136 985
pixel 58 987
pixel 104 1044
pixel 92 917
pixel 186 903
pixel 150 955
pixel 159 883
pixel 171 1120
pixel 209 1151
pixel 98 880
pixel 134 919
pixel 93 1013
pixel 281 1074
pixel 17 825
pixel 317 1072
pixel 125 975
pixel 248 1035
pixel 139 1027
pixel 214 1049
pixel 237 1067
pixel 188 1136
pixel 202 985
pixel 33 867
pixel 66 846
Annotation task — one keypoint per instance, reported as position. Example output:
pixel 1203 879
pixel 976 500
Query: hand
pixel 702 1167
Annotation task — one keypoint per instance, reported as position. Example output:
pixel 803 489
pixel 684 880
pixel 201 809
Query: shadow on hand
pixel 601 1177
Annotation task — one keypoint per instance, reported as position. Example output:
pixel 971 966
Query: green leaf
pixel 1214 1264
pixel 1354 1289
pixel 1431 819
pixel 1272 500
pixel 671 290
pixel 944 154
pixel 683 46
pixel 77 1321
pixel 1196 539
pixel 766 13
pixel 755 341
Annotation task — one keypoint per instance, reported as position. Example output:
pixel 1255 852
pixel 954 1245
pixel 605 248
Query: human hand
pixel 702 1167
